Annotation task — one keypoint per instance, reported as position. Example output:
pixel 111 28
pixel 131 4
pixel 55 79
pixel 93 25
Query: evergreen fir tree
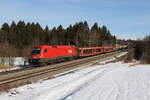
pixel 5 27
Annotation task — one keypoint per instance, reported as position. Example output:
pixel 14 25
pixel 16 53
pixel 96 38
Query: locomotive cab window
pixel 36 51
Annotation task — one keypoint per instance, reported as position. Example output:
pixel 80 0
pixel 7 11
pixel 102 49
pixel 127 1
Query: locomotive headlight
pixel 37 56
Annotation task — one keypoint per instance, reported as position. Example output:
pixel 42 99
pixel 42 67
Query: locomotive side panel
pixel 50 54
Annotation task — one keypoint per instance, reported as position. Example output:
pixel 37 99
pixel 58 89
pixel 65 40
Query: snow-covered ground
pixel 18 62
pixel 15 61
pixel 8 69
pixel 113 81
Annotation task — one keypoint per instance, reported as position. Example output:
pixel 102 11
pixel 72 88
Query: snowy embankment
pixel 15 62
pixel 114 81
pixel 119 83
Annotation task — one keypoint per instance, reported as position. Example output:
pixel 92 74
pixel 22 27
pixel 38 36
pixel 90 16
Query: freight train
pixel 46 54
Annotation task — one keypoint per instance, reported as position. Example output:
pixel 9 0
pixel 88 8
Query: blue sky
pixel 124 18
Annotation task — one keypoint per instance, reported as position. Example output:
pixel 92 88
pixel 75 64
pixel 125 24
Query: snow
pixel 122 54
pixel 15 61
pixel 120 83
pixel 8 69
pixel 18 62
pixel 112 81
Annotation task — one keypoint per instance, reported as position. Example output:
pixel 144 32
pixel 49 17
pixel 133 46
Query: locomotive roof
pixel 58 46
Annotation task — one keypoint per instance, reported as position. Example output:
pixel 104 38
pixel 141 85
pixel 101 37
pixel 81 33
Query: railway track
pixel 24 76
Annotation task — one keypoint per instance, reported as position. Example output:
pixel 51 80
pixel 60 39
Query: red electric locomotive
pixel 45 54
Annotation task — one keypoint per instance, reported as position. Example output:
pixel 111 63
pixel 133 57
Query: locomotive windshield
pixel 36 51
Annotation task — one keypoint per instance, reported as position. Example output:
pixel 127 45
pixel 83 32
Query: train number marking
pixel 69 51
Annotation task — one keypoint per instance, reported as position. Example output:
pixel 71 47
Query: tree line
pixel 139 49
pixel 142 50
pixel 17 39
